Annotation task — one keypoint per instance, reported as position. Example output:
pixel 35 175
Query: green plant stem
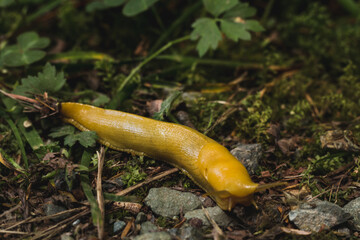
pixel 350 6
pixel 217 62
pixel 267 11
pixel 148 59
pixel 184 16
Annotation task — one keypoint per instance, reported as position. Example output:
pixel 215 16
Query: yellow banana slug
pixel 206 162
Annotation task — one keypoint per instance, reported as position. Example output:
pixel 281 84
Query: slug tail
pixel 263 187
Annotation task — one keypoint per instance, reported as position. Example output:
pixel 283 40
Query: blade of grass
pixel 135 70
pixel 31 135
pixel 99 193
pixel 14 129
pixel 9 162
pixel 184 16
pixel 85 184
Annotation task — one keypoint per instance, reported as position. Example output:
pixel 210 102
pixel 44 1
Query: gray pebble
pixel 140 218
pixel 169 203
pixel 218 215
pixel 186 233
pixel 153 236
pixel 353 208
pixel 249 155
pixel 66 236
pixel 314 215
pixel 148 227
pixel 51 209
pixel 118 226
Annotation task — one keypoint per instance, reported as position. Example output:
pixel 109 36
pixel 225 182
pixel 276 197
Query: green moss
pixel 133 171
pixel 255 120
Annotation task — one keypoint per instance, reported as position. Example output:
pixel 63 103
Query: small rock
pixel 215 213
pixel 353 208
pixel 344 232
pixel 169 203
pixel 249 155
pixel 148 227
pixel 153 236
pixel 66 236
pixel 317 214
pixel 140 218
pixel 51 209
pixel 118 226
pixel 76 222
pixel 186 233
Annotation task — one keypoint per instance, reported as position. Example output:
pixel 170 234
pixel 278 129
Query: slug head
pixel 229 180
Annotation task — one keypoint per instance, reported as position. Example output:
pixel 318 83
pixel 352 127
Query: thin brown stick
pixel 54 229
pixel 159 176
pixel 100 197
pixel 38 219
pixel 127 228
pixel 13 232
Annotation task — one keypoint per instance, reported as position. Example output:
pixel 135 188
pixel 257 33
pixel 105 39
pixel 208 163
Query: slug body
pixel 206 162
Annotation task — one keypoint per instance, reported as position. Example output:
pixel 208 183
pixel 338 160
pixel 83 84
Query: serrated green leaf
pixel 209 34
pixel 235 31
pixel 134 7
pixel 101 99
pixel 62 131
pixel 217 7
pixel 166 105
pixel 253 25
pixel 46 81
pixel 242 10
pixel 86 139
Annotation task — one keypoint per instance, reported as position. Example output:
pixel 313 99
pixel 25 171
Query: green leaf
pixel 113 3
pixel 62 131
pixel 235 31
pixel 242 10
pixel 100 100
pixel 209 34
pixel 46 81
pixel 94 6
pixel 25 52
pixel 5 3
pixel 217 7
pixel 253 25
pixel 134 7
pixel 86 186
pixel 166 105
pixel 31 40
pixel 86 139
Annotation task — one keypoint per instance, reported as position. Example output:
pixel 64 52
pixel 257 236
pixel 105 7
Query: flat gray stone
pixel 169 203
pixel 51 209
pixel 153 236
pixel 186 233
pixel 249 155
pixel 215 213
pixel 314 215
pixel 148 227
pixel 140 218
pixel 118 226
pixel 353 208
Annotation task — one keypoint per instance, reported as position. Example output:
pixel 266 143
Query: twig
pixel 159 176
pixel 13 232
pixel 127 228
pixel 100 197
pixel 217 229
